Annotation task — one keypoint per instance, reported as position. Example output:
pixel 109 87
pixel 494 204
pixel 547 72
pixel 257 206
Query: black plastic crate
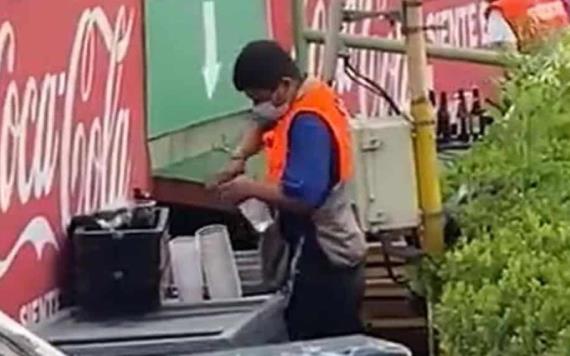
pixel 123 271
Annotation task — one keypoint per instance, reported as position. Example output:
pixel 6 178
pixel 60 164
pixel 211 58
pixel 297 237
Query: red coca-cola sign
pixel 72 133
pixel 463 23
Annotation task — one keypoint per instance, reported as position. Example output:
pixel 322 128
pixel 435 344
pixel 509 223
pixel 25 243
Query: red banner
pixel 72 133
pixel 464 26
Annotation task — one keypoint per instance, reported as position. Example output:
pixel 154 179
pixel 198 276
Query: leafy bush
pixel 505 289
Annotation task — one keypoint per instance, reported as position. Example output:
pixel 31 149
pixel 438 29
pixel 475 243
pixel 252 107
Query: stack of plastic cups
pixel 187 268
pixel 220 269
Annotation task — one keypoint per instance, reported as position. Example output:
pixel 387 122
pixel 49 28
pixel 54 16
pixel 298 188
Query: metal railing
pixel 304 36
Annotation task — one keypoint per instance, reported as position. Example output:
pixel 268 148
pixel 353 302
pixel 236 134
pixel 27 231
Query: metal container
pixel 384 186
pixel 174 329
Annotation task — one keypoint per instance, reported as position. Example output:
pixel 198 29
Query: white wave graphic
pixel 39 233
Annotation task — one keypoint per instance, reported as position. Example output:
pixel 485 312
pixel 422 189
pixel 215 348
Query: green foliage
pixel 505 288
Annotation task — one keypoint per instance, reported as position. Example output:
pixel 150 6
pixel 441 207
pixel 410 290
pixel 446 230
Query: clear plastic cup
pixel 220 268
pixel 187 268
pixel 257 213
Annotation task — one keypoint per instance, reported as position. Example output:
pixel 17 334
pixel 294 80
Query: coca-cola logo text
pixel 46 140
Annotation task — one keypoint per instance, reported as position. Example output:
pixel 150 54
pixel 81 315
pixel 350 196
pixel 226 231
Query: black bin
pixel 121 271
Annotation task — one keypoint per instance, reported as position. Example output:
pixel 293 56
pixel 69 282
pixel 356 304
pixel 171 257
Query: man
pixel 304 130
pixel 520 24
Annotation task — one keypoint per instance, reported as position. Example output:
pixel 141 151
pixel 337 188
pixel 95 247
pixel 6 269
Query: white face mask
pixel 267 113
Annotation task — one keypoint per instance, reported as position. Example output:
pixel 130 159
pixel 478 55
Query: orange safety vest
pixel 532 20
pixel 317 98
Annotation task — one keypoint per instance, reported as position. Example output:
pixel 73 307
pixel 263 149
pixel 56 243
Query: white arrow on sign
pixel 211 69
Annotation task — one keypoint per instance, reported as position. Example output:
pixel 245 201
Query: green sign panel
pixel 191 47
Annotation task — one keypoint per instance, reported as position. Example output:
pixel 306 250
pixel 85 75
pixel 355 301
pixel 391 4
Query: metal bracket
pixel 372 144
pixel 424 123
pixel 434 215
pixel 377 218
pixel 358 15
pixel 407 30
pixel 344 51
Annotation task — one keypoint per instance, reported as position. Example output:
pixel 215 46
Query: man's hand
pixel 242 188
pixel 233 168
pixel 250 144
pixel 237 190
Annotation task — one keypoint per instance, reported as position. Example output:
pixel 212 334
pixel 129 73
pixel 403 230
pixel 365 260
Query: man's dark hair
pixel 262 65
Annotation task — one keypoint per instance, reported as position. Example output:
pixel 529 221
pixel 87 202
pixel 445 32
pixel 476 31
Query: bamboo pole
pixel 476 56
pixel 424 140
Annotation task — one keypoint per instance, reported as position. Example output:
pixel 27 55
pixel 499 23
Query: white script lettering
pixel 44 134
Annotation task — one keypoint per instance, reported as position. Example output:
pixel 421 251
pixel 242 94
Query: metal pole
pixel 332 39
pixel 477 56
pixel 299 26
pixel 424 119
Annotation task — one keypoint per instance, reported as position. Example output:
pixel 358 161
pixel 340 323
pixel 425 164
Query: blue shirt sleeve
pixel 307 174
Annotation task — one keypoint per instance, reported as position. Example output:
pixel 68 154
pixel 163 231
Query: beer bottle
pixel 432 100
pixel 477 120
pixel 443 117
pixel 463 117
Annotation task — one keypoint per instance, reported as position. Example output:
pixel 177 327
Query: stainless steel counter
pixel 176 328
